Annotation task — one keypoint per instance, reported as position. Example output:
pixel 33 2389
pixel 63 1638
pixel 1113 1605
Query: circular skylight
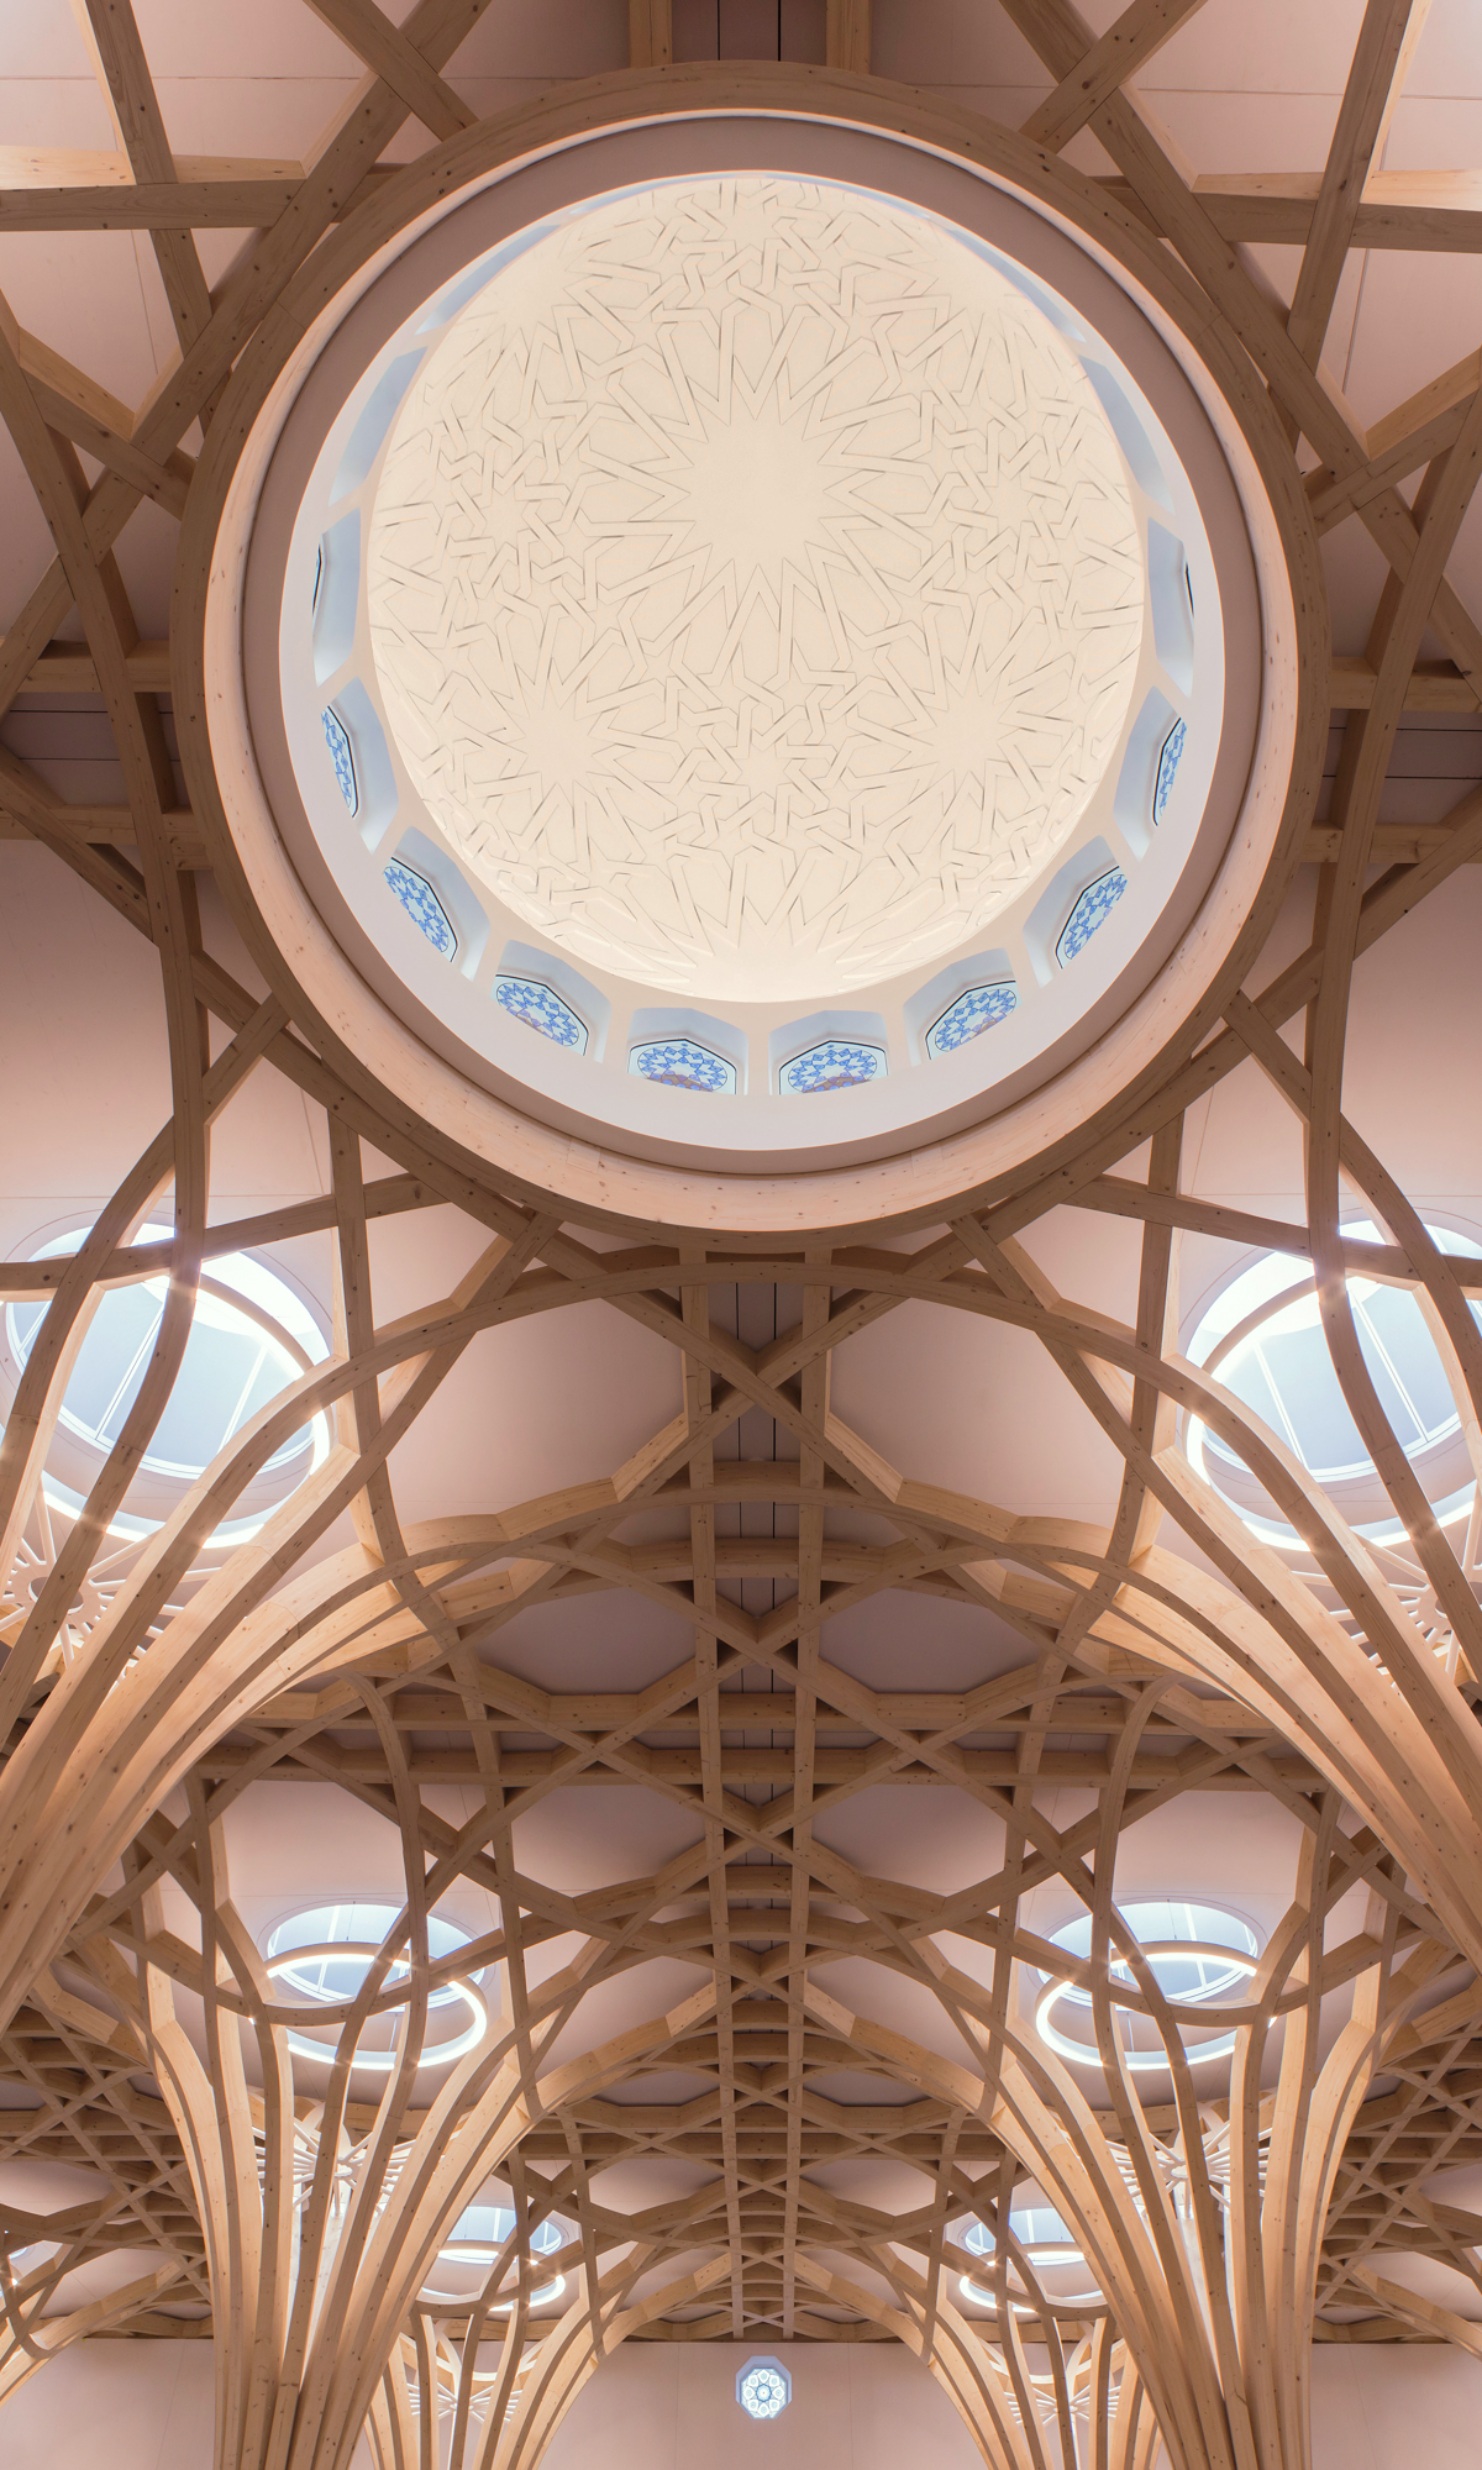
pixel 753 660
pixel 1262 1337
pixel 1049 2249
pixel 473 2247
pixel 1198 1955
pixel 325 1955
pixel 251 1337
pixel 763 2388
pixel 755 588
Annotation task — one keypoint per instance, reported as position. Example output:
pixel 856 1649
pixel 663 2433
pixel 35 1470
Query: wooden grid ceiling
pixel 689 2020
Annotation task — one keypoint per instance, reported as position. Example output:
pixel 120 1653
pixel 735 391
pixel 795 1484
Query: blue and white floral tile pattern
pixel 1168 763
pixel 541 1009
pixel 682 1063
pixel 342 756
pixel 973 1012
pixel 837 1063
pixel 423 907
pixel 1092 910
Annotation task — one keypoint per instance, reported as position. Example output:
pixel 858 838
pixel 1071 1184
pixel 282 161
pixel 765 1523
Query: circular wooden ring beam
pixel 481 1133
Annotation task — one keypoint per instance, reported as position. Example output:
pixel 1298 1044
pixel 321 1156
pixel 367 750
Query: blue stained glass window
pixel 1093 909
pixel 342 756
pixel 1168 763
pixel 682 1063
pixel 973 1012
pixel 541 1009
pixel 836 1063
pixel 423 907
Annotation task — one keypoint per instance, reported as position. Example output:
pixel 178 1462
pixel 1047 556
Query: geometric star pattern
pixel 754 587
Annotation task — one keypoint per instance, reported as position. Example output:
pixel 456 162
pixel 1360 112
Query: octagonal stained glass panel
pixel 682 1063
pixel 423 907
pixel 979 1008
pixel 835 1063
pixel 1091 911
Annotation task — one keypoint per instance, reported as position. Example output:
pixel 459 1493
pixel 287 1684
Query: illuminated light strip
pixel 381 2062
pixel 1142 2062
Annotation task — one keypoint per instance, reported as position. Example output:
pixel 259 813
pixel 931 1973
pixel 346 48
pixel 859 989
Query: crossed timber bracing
pixel 689 2013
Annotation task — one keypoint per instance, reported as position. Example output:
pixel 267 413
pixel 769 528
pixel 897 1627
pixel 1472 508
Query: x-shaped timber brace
pixel 172 1676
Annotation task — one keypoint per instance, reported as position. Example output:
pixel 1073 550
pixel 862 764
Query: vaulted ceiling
pixel 753 1645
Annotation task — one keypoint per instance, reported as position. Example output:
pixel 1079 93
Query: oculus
pixel 759 564
pixel 251 1337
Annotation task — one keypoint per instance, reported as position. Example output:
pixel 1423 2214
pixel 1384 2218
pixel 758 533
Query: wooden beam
pixel 390 55
pixel 1127 45
pixel 1386 43
pixel 848 36
pixel 650 34
pixel 1435 686
pixel 1399 210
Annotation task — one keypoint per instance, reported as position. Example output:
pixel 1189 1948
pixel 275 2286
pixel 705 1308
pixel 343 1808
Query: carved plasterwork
pixel 755 589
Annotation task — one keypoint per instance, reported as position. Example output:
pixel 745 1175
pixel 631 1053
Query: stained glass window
pixel 541 1009
pixel 835 1063
pixel 342 756
pixel 1168 763
pixel 682 1063
pixel 763 2389
pixel 423 907
pixel 973 1012
pixel 1091 911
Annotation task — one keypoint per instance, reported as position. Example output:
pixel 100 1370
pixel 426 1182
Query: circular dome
pixel 743 649
pixel 754 587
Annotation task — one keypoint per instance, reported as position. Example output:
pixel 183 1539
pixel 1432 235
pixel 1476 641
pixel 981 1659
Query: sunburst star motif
pixel 755 588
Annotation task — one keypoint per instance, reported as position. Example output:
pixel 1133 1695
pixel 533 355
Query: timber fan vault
pixel 741 1317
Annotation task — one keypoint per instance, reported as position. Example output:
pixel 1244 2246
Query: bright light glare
pixel 1197 1955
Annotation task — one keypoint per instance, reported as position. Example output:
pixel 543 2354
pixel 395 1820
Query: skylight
pixel 1198 1955
pixel 251 1338
pixel 1262 1338
pixel 325 1954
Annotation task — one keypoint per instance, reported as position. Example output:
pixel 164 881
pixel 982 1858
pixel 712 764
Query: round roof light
pixel 1198 1955
pixel 1262 1338
pixel 326 1954
pixel 763 2388
pixel 251 1337
pixel 732 592
pixel 473 2248
pixel 1048 2247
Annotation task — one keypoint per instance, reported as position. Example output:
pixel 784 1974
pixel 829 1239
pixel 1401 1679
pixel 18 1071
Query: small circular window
pixel 1262 1338
pixel 252 1335
pixel 324 1955
pixel 764 2388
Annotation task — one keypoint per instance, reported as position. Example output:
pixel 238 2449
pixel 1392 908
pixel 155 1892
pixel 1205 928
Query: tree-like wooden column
pixel 323 2210
pixel 39 2254
pixel 462 2394
pixel 1032 2398
pixel 1200 2212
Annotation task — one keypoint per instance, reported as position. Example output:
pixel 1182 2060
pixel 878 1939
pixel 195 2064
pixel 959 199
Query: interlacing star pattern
pixel 755 589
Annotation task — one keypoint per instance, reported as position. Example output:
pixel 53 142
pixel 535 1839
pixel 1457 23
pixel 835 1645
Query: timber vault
pixel 742 1458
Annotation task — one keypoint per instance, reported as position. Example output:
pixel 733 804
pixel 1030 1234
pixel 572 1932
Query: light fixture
pixel 1196 1953
pixel 326 1953
pixel 251 1337
pixel 1261 1337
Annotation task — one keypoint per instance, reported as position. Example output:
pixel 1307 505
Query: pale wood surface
pixel 1223 2233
